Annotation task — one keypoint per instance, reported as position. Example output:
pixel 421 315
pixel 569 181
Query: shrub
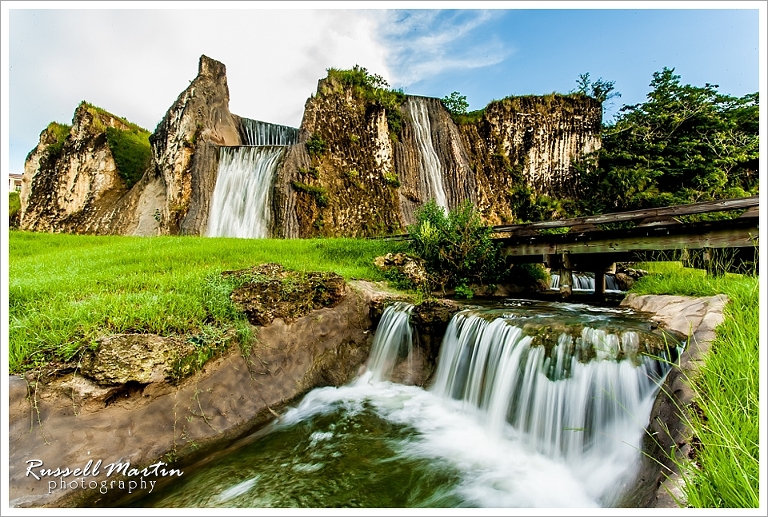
pixel 60 131
pixel 391 179
pixel 316 146
pixel 455 103
pixel 320 194
pixel 457 248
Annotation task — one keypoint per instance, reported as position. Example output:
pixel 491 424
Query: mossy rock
pixel 269 291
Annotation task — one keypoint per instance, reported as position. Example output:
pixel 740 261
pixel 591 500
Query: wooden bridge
pixel 595 243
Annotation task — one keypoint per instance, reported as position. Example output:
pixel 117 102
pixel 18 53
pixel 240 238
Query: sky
pixel 134 59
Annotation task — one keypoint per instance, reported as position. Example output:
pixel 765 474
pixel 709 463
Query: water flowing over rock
pixel 256 132
pixel 241 205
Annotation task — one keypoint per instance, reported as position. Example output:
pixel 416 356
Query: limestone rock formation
pixel 185 147
pixel 364 161
pixel 71 178
pixel 529 142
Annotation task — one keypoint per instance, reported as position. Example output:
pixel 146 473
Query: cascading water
pixel 393 340
pixel 241 199
pixel 579 399
pixel 430 170
pixel 583 282
pixel 256 132
pixel 533 404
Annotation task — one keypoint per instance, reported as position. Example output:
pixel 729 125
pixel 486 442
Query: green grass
pixel 725 470
pixel 14 203
pixel 65 291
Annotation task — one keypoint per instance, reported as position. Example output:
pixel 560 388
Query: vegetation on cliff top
pixel 375 89
pixel 129 147
pixel 60 132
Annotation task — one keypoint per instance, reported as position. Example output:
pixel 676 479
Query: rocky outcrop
pixel 185 148
pixel 347 185
pixel 71 179
pixel 529 142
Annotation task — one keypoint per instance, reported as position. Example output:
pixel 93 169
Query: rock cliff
pixel 71 179
pixel 362 162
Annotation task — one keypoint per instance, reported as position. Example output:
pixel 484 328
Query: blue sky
pixel 135 61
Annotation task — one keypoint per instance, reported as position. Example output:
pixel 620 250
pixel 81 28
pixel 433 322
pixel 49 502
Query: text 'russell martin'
pixel 82 478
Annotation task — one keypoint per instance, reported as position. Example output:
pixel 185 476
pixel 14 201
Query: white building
pixel 14 182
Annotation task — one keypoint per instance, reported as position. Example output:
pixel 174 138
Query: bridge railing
pixel 644 217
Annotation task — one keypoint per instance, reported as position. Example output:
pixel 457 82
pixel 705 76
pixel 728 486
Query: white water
pixel 522 427
pixel 264 133
pixel 393 340
pixel 241 198
pixel 430 171
pixel 585 282
pixel 516 420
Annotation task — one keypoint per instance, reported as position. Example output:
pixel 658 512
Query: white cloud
pixel 423 44
pixel 136 62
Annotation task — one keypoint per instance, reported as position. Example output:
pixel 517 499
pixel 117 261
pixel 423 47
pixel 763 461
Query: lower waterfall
pixel 240 206
pixel 533 404
pixel 582 282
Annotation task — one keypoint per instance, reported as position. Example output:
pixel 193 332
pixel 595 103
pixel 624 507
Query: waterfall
pixel 582 282
pixel 430 171
pixel 393 340
pixel 583 396
pixel 241 198
pixel 256 132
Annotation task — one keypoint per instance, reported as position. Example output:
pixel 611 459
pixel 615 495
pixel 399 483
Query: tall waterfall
pixel 393 340
pixel 256 132
pixel 585 397
pixel 241 198
pixel 430 170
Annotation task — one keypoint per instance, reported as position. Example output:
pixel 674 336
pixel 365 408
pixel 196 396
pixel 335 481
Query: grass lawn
pixel 67 290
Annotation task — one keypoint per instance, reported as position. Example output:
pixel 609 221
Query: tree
pixel 684 144
pixel 456 103
pixel 601 90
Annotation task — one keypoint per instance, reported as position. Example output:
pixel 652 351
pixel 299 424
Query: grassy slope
pixel 727 389
pixel 67 290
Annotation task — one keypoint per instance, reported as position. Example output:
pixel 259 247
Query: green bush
pixel 455 103
pixel 61 132
pixel 457 248
pixel 131 151
pixel 316 146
